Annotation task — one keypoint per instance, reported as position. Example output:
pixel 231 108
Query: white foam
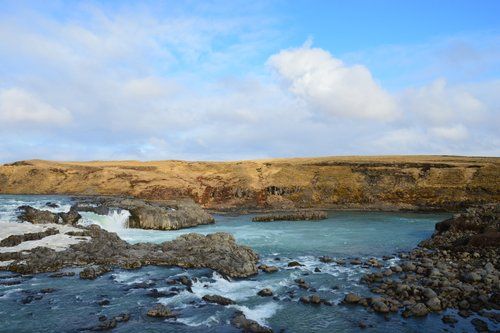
pixel 259 313
pixel 235 290
pixel 115 221
pixel 57 242
pixel 197 321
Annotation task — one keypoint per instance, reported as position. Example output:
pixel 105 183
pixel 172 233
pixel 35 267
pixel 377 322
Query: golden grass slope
pixel 383 182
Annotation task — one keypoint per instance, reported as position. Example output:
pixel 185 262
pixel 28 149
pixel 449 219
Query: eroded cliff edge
pixel 390 182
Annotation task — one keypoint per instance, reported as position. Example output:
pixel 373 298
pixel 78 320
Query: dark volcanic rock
pixel 160 311
pixel 164 215
pixel 71 217
pixel 218 299
pixel 247 325
pixel 217 251
pixel 477 227
pixel 37 216
pixel 292 216
pixel 92 273
pixel 266 292
pixel 14 240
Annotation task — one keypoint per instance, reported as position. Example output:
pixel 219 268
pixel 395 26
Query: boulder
pixel 247 325
pixel 218 300
pixel 380 307
pixel 351 298
pixel 160 311
pixel 266 292
pixel 294 264
pixel 93 272
pixel 419 310
pixel 37 216
pixel 434 304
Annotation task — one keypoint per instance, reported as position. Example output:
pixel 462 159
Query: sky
pixel 231 80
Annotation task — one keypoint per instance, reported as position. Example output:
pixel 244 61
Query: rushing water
pixel 73 305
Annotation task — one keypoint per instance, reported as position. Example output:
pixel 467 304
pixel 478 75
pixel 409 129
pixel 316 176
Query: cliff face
pixel 391 182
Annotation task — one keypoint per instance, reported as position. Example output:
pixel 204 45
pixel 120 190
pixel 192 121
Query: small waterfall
pixel 115 221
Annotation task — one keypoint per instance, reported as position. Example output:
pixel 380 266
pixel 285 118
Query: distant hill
pixel 383 182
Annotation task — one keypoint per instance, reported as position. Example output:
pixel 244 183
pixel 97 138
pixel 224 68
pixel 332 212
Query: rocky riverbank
pixel 458 268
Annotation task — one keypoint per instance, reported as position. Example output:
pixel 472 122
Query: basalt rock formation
pixel 101 250
pixel 391 182
pixel 292 216
pixel 38 216
pixel 164 215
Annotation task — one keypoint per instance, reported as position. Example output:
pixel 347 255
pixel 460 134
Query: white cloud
pixel 19 106
pixel 453 133
pixel 440 104
pixel 327 83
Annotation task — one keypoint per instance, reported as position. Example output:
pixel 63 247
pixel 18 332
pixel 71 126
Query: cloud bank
pixel 132 84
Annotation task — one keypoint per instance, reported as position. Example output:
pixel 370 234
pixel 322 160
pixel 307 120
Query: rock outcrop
pixel 38 216
pixel 165 215
pixel 217 251
pixel 292 216
pixel 477 227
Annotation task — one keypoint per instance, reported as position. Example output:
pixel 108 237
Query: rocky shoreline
pixel 457 268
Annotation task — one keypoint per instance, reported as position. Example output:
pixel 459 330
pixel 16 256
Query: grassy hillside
pixel 385 182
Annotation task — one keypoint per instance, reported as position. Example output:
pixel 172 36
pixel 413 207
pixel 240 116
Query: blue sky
pixel 226 80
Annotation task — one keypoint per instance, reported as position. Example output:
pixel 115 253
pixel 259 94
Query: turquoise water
pixel 73 305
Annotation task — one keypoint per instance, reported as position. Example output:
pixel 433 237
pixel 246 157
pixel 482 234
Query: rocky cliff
pixel 389 182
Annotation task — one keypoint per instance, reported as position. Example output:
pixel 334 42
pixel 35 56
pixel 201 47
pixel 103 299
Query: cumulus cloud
pixel 18 106
pixel 314 75
pixel 440 104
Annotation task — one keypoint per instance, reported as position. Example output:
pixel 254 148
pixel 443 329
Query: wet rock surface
pixel 217 299
pixel 247 325
pixel 292 216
